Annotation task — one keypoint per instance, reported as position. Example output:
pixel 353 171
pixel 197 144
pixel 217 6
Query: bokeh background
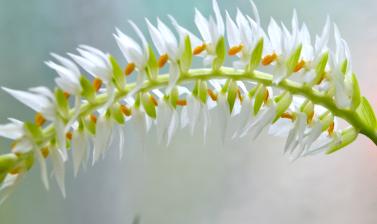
pixel 264 187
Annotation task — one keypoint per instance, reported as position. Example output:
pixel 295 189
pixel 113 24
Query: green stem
pixel 229 73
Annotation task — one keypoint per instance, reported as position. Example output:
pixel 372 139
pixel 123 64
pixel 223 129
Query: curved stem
pixel 229 73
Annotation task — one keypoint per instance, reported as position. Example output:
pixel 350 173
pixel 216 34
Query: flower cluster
pixel 309 87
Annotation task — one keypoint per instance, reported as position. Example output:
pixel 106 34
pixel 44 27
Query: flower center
pixel 163 59
pixel 39 119
pixel 126 110
pixel 299 66
pixel 129 69
pixel 212 94
pixel 199 49
pixel 97 83
pixel 235 50
pixel 268 59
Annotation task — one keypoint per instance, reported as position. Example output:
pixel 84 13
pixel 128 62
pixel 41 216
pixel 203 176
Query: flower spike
pixel 310 88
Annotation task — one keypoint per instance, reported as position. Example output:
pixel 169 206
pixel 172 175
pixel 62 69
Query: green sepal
pixel 173 97
pixel 282 104
pixel 186 59
pixel 118 77
pixel 356 96
pixel 7 162
pixel 347 137
pixel 152 66
pixel 62 103
pixel 232 94
pixel 326 119
pixel 259 98
pixel 256 56
pixel 366 114
pixel 87 89
pixel 254 90
pixel 220 54
pixel 321 66
pixel 137 101
pixel 202 91
pixel 35 132
pixel 344 66
pixel 224 89
pixel 307 107
pixel 293 59
pixel 148 105
pixel 117 114
pixel 28 159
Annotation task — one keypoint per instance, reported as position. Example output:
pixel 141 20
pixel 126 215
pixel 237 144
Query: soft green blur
pixel 30 30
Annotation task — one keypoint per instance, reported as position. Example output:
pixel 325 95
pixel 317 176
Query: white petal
pixel 80 147
pixel 232 31
pixel 219 18
pixel 202 25
pixel 68 64
pixel 102 138
pixel 43 167
pixel 157 38
pixel 12 130
pixel 59 169
pixel 8 185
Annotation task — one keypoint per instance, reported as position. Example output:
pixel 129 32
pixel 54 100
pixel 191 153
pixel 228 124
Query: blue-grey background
pixel 341 188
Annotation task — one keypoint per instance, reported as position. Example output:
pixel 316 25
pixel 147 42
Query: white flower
pixel 8 185
pixel 101 140
pixel 136 55
pixel 80 146
pixel 263 118
pixel 243 36
pixel 341 77
pixel 69 75
pixel 95 62
pixel 211 31
pixel 40 99
pixel 58 160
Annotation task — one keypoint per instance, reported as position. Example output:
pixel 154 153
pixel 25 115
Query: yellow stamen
pixel 266 96
pixel 93 118
pixel 288 116
pixel 66 95
pixel 235 50
pixel 154 101
pixel 39 119
pixel 199 49
pixel 299 66
pixel 69 135
pixel 310 117
pixel 16 170
pixel 268 59
pixel 97 83
pixel 45 152
pixel 212 94
pixel 182 102
pixel 330 130
pixel 129 69
pixel 126 110
pixel 239 95
pixel 163 59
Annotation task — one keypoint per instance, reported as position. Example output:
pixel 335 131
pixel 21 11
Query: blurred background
pixel 255 184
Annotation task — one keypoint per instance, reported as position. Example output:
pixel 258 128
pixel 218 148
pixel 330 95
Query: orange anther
pixel 235 49
pixel 239 95
pixel 162 60
pixel 299 66
pixel 129 69
pixel 97 83
pixel 268 59
pixel 266 96
pixel 288 116
pixel 199 49
pixel 69 135
pixel 39 119
pixel 125 110
pixel 66 95
pixel 182 102
pixel 45 152
pixel 154 101
pixel 310 117
pixel 93 118
pixel 16 170
pixel 330 130
pixel 212 94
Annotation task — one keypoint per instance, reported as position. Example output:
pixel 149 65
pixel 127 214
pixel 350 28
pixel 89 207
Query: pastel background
pixel 341 188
